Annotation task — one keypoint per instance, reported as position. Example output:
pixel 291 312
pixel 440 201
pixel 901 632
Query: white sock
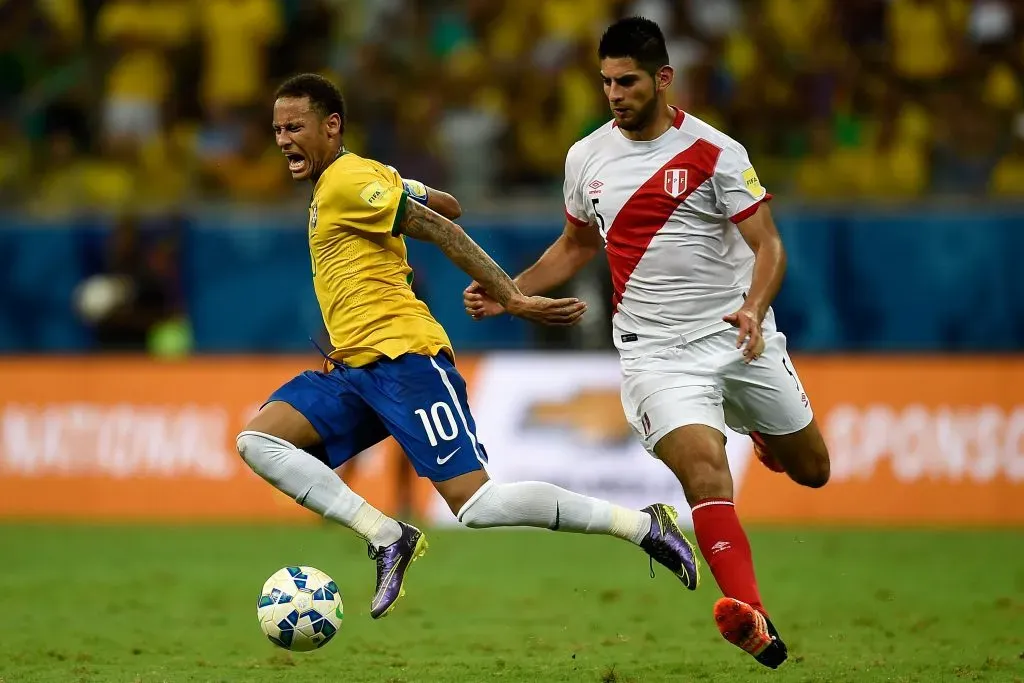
pixel 314 485
pixel 538 504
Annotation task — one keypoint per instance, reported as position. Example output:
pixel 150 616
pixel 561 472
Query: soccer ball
pixel 300 608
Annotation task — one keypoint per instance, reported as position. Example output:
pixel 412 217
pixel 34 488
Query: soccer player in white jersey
pixel 695 262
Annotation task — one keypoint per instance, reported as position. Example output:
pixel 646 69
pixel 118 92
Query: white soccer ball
pixel 300 608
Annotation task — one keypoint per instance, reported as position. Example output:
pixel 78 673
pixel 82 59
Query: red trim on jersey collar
pixel 680 115
pixel 677 122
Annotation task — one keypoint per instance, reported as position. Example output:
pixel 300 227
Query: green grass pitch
pixel 87 603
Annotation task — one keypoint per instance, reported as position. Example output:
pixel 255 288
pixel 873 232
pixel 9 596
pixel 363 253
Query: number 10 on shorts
pixel 437 426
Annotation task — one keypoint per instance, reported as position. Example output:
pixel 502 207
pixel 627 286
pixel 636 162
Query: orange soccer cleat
pixel 751 631
pixel 761 451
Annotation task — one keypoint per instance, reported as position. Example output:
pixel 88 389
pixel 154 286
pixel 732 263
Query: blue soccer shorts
pixel 420 400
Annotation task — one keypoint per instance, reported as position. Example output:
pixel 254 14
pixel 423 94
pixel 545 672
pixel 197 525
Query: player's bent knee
pixel 246 443
pixel 803 454
pixel 282 421
pixel 818 474
pixel 815 471
pixel 256 448
pixel 476 513
pixel 462 490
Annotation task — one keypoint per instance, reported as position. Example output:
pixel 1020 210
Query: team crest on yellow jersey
pixel 312 218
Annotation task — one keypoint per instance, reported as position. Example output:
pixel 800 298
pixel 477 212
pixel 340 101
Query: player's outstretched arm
pixel 571 251
pixel 444 203
pixel 422 223
pixel 574 248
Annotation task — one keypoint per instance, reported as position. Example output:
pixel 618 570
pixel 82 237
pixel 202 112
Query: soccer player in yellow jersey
pixel 391 369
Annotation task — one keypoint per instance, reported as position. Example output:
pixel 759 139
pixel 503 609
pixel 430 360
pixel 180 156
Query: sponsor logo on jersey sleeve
pixel 752 183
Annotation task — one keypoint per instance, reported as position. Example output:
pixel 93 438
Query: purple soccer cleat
pixel 666 543
pixel 392 563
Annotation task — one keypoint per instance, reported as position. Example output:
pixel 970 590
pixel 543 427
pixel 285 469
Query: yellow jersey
pixel 361 273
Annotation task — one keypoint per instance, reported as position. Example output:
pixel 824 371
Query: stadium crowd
pixel 105 104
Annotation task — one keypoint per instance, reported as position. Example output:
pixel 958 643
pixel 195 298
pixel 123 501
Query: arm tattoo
pixel 424 224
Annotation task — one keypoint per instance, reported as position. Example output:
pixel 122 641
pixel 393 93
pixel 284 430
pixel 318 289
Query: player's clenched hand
pixel 749 338
pixel 478 303
pixel 547 311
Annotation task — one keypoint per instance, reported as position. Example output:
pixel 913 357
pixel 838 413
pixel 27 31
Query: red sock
pixel 726 549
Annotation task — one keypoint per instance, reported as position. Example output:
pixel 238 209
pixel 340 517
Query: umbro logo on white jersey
pixel 595 188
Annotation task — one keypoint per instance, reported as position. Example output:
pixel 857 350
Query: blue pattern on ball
pixel 320 629
pixel 285 640
pixel 298 577
pixel 328 630
pixel 276 597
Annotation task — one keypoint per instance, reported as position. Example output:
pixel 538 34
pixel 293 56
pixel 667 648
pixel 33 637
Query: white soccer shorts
pixel 706 382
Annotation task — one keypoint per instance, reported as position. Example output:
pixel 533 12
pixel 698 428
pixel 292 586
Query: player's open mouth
pixel 296 163
pixel 620 112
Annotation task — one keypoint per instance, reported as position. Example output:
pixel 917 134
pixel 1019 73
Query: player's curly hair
pixel 324 97
pixel 637 38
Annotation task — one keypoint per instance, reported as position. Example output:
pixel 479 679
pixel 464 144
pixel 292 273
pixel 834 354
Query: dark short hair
pixel 637 38
pixel 324 97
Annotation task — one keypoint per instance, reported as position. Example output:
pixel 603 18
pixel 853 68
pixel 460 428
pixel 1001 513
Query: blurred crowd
pixel 111 104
